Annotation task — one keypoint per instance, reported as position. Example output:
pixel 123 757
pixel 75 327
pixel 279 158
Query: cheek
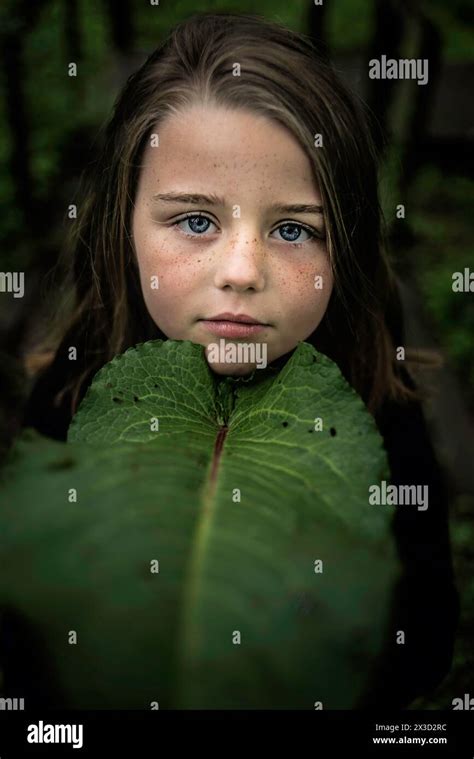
pixel 305 290
pixel 160 260
pixel 178 278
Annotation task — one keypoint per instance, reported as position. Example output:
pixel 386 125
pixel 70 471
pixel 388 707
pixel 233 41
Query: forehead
pixel 229 148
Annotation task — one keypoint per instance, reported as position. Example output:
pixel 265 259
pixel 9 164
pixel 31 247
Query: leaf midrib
pixel 188 642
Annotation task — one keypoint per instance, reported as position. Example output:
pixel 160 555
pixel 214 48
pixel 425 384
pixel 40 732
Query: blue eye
pixel 295 231
pixel 197 223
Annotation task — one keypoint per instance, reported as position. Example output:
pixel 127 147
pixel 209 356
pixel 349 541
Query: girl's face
pixel 229 244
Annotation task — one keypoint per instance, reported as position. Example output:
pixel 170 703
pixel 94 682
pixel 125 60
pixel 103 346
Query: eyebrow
pixel 214 200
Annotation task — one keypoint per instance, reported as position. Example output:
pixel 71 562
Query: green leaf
pixel 237 495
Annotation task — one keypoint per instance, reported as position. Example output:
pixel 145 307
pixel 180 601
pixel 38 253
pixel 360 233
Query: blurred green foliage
pixel 441 208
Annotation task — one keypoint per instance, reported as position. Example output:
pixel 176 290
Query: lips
pixel 240 318
pixel 233 325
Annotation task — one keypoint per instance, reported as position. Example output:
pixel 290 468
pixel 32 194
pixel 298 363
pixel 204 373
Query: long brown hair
pixel 284 77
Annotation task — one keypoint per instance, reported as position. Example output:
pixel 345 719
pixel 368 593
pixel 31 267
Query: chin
pixel 232 370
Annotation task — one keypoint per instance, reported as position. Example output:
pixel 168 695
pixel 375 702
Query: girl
pixel 238 176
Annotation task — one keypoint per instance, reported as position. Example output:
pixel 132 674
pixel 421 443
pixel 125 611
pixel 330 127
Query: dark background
pixel 49 130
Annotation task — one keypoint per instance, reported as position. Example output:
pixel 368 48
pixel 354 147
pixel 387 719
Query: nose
pixel 241 263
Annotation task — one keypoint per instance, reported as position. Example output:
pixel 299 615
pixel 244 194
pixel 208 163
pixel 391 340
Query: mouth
pixel 233 325
pixel 240 318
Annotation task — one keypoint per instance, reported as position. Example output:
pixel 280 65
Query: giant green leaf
pixel 275 575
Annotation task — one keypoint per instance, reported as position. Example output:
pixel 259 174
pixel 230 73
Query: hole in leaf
pixel 136 399
pixel 332 431
pixel 284 424
pixel 117 400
